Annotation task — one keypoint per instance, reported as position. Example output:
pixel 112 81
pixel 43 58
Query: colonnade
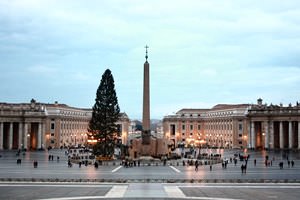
pixel 274 134
pixel 22 135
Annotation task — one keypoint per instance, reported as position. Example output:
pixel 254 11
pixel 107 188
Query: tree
pixel 105 115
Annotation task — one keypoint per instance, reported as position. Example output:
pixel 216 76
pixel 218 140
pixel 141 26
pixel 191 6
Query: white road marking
pixel 174 191
pixel 175 169
pixel 116 169
pixel 116 191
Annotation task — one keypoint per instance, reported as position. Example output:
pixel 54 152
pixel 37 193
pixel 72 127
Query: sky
pixel 201 53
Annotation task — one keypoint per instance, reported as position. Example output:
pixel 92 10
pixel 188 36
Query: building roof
pixel 229 106
pixel 192 110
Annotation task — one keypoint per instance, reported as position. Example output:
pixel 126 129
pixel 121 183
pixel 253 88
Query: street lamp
pixel 263 141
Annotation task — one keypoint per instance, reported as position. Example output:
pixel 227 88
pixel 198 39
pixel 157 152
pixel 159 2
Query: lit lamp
pixel 263 140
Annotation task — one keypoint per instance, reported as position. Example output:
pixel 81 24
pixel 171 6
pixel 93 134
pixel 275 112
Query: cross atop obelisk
pixel 146 104
pixel 146 47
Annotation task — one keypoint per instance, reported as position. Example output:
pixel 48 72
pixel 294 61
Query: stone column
pixel 253 144
pixel 299 135
pixel 10 137
pixel 290 135
pixel 249 135
pixel 25 132
pixel 267 135
pixel 20 142
pixel 39 138
pixel 44 135
pixel 281 135
pixel 271 138
pixel 1 135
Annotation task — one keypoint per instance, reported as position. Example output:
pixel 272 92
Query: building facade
pixel 274 126
pixel 38 125
pixel 236 126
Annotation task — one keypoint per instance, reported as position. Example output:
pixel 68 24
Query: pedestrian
pixel 69 163
pixel 79 164
pixel 35 164
pixel 49 157
pixel 52 157
pixel 292 163
pixel 254 162
pixel 281 165
pixel 57 158
pixel 242 168
pixel 196 165
pixel 289 163
pixel 210 167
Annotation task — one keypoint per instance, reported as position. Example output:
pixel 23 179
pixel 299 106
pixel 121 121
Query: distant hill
pixel 153 126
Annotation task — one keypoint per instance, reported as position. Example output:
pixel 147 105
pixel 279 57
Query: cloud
pixel 201 51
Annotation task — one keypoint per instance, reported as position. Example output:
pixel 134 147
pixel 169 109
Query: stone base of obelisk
pixel 146 143
pixel 145 150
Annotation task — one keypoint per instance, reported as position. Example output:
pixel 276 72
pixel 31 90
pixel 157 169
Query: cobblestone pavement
pixel 49 170
pixel 55 180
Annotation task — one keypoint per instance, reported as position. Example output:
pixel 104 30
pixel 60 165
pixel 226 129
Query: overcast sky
pixel 201 53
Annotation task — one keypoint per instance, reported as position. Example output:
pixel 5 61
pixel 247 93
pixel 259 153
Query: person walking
pixel 196 165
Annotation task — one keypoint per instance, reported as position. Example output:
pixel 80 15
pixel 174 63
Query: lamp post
pixel 245 138
pixel 263 141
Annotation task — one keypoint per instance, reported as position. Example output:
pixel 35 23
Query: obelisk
pixel 146 106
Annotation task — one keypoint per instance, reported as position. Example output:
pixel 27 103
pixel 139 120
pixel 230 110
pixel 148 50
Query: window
pixel 52 134
pixel 199 127
pixel 183 126
pixel 191 127
pixel 172 129
pixel 119 130
pixel 52 126
pixel 240 127
pixel 240 135
pixel 191 133
pixel 240 142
